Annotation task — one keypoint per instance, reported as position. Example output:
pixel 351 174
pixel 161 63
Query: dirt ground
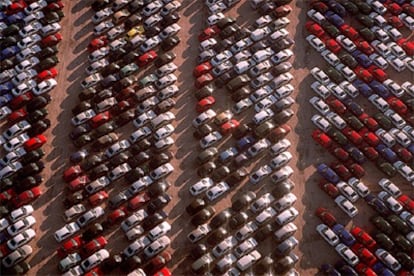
pixel 77 32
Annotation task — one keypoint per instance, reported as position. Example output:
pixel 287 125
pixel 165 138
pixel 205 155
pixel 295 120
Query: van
pixel 203 264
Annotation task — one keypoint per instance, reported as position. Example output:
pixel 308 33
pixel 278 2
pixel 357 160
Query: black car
pixel 158 188
pixel 79 131
pixel 165 106
pixel 153 220
pixel 220 219
pixel 205 91
pixel 98 171
pixel 264 265
pixel 133 20
pixel 47 63
pixel 110 69
pixel 78 156
pixel 124 118
pixel 103 129
pixel 130 264
pixel 31 169
pixel 142 145
pixel 198 251
pixel 170 43
pixel 159 160
pixel 226 21
pixel 237 177
pixel 283 188
pixel 73 199
pixel 164 59
pixel 135 6
pixel 170 19
pixel 7 63
pixel 37 115
pixel 195 206
pixel 37 103
pixel 263 233
pixel 111 263
pixel 139 159
pixel 117 200
pixel 241 93
pixel 92 161
pixel 102 95
pixel 39 127
pixel 47 52
pixel 220 173
pixel 206 169
pixel 32 156
pixel 243 201
pixel 28 183
pixel 134 174
pixel 241 131
pixel 82 106
pixel 158 203
pixel 92 232
pixel 82 140
pixel 217 235
pixel 202 131
pixel 238 220
pixel 119 159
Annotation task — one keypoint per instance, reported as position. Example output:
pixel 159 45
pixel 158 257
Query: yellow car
pixel 135 31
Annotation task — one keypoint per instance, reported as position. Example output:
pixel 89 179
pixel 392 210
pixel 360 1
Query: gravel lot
pixel 77 32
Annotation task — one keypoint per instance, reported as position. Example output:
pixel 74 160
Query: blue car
pixel 228 155
pixel 355 108
pixel 9 52
pixel 337 7
pixel 387 153
pixel 410 148
pixel 6 98
pixel 6 87
pixel 377 204
pixel 382 270
pixel 15 18
pixel 346 237
pixel 363 60
pixel 330 270
pixel 326 172
pixel 363 88
pixel 380 89
pixel 245 142
pixel 3 16
pixel 334 18
pixel 355 153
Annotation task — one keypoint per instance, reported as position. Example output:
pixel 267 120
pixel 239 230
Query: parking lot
pixel 312 250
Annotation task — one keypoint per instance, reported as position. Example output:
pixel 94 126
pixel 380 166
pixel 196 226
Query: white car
pixel 21 239
pixel 284 202
pixel 10 169
pixel 248 260
pixel 346 206
pixel 16 129
pixel 265 215
pixel 163 143
pixel 204 117
pixel 214 18
pixel 401 137
pixel 245 231
pixel 316 16
pixel 245 247
pixel 158 231
pixel 201 186
pixel 98 54
pixel 359 186
pixel 117 147
pixel 150 43
pixel 217 7
pixel 336 120
pixel 391 202
pixel 140 134
pixel 347 254
pixel 210 139
pixel 346 43
pixel 405 171
pixel 321 89
pixel 407 20
pixel 50 29
pixel 262 203
pixel 379 102
pixel 320 105
pixel 217 190
pixel 74 211
pixel 385 137
pixel 282 174
pixel 119 171
pixel 12 156
pixel 321 123
pixel 259 174
pixel 96 66
pixel 337 91
pixel 136 246
pixel 397 50
pixel 144 118
pixel 152 7
pixel 103 27
pixel 260 33
pixel 91 80
pixel 225 262
pixel 224 246
pixel 388 259
pixel 258 147
pixel 394 87
pixel 408 218
pixel 16 142
pixel 66 231
pixel 408 87
pixel 241 45
pixel 44 86
pixel 97 185
pixel 262 116
pixel 281 56
pixel 17 256
pixel 23 87
pixel 83 117
pixel 389 187
pixel 381 48
pixel 94 260
pixel 165 81
pixel 90 216
pixel 19 213
pixel 241 105
pixel 163 132
pixel 29 41
pixel 102 15
pixel 327 234
pixel 32 28
pixel 287 216
pixel 320 75
pixel 156 247
pixel 330 57
pixel 280 160
pixel 166 69
pixel 221 57
pixel 199 233
pixel 222 68
pixel 286 231
pixel 133 220
pixel 4 223
pixel 169 31
pixel 379 61
pixel 134 233
pixel 316 43
pixel 207 44
pixel 71 261
pixel 161 171
pixel 280 147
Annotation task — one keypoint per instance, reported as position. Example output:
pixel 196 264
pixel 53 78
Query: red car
pixel 320 7
pixel 201 69
pixel 364 47
pixel 329 188
pixel 364 254
pixel 364 270
pixel 407 45
pixel 326 217
pixel 35 142
pixel 16 6
pixel 21 100
pixel 17 115
pixel 51 40
pixel 54 6
pixel 203 80
pixel 205 103
pixel 341 154
pixel 349 32
pixel 71 173
pixel 99 119
pixel 94 245
pixel 282 11
pixel 98 198
pixel 117 215
pixel 7 195
pixel 138 200
pixel 333 46
pixel 404 154
pixel 368 121
pixel 70 246
pixel 78 183
pixel 363 74
pixel 314 28
pixel 341 170
pixel 398 105
pixel 394 21
pixel 97 43
pixel 407 202
pixel 26 197
pixel 369 137
pixel 4 250
pixel 163 272
pixel 146 58
pixel 321 138
pixel 408 9
pixel 209 33
pixel 357 170
pixel 371 153
pixel 47 74
pixel 363 237
pixel 378 73
pixel 158 262
pixel 94 272
pixel 394 8
pixel 352 135
pixel 336 105
pixel 229 127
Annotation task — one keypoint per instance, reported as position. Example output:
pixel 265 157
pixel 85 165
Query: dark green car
pixel 354 122
pixel 386 167
pixel 367 34
pixel 402 242
pixel 207 155
pixel 334 75
pixel 365 20
pixel 338 136
pixel 384 241
pixel 330 29
pixel 382 225
pixel 384 122
pixel 399 224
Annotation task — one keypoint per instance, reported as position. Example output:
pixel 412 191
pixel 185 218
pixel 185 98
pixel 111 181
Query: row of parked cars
pixel 252 64
pixel 129 37
pixel 358 60
pixel 29 32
